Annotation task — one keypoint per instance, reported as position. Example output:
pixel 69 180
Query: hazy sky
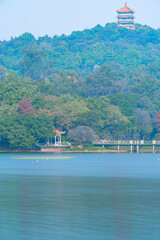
pixel 41 17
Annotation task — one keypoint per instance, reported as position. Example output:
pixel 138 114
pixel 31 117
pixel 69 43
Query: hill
pixel 105 78
pixel 83 51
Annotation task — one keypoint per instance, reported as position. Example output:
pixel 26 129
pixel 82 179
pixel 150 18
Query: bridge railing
pixel 128 142
pixel 53 144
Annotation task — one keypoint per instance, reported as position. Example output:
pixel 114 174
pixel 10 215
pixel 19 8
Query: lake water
pixel 85 197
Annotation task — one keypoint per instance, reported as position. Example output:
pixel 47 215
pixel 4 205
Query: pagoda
pixel 126 17
pixel 58 135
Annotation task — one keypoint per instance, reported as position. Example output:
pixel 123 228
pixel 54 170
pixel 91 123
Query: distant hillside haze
pixel 82 51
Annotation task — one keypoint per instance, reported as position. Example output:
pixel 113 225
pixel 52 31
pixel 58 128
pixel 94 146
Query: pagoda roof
pixel 125 9
pixel 58 132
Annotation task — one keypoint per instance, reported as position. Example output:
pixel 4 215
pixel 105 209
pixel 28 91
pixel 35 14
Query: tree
pixel 103 82
pixel 13 89
pixel 82 134
pixel 158 122
pixel 65 110
pixel 25 107
pixel 3 72
pixel 43 127
pixel 143 123
pixel 33 63
pixel 23 131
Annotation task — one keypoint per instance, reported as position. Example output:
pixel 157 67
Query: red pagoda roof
pixel 125 9
pixel 59 132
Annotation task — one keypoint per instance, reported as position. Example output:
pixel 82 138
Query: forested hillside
pixel 81 51
pixel 105 78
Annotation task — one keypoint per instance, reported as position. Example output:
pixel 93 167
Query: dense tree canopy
pixel 81 51
pixel 105 78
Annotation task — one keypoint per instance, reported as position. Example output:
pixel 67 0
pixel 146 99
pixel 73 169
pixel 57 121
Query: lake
pixel 85 196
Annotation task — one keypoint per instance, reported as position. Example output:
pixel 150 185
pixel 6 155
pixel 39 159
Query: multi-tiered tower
pixel 126 17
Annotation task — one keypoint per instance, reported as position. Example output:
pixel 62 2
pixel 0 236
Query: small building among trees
pixel 57 145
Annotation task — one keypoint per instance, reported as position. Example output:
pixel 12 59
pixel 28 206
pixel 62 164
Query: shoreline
pixel 81 151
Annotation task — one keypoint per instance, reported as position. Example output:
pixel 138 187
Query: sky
pixel 57 17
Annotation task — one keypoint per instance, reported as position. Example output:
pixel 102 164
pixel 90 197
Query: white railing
pixel 128 142
pixel 52 144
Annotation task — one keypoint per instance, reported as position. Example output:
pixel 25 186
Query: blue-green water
pixel 89 197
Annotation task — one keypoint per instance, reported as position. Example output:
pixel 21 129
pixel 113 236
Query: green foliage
pixel 33 63
pixel 3 72
pixel 23 131
pixel 126 102
pixel 104 78
pixel 81 51
pixel 65 110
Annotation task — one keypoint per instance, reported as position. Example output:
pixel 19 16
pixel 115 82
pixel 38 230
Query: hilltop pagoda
pixel 126 17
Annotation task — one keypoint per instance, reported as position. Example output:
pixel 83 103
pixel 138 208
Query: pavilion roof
pixel 125 9
pixel 59 132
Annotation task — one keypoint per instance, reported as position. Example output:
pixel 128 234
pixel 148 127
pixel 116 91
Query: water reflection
pixel 58 207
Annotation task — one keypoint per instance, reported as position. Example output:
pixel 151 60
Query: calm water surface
pixel 89 197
